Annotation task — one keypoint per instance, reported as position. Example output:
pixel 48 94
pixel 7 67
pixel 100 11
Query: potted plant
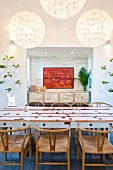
pixel 111 76
pixel 83 77
pixel 8 59
pixel 1 85
pixel 103 69
pixel 2 67
pixel 8 75
pixel 104 83
pixel 111 61
pixel 16 66
pixel 16 70
pixel 110 91
pixel 8 89
pixel 17 83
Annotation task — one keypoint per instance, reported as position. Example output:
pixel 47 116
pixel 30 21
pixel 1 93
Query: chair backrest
pixel 100 104
pixel 60 104
pixel 100 135
pixel 50 135
pixel 6 134
pixel 80 104
pixel 35 104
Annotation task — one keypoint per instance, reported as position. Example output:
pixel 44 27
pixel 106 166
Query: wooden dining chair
pixel 80 104
pixel 60 104
pixel 11 141
pixel 35 104
pixel 95 142
pixel 100 104
pixel 53 141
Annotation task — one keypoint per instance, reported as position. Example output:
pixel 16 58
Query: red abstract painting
pixel 58 78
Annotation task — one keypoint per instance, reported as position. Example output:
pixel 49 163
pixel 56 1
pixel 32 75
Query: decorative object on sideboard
pixel 83 77
pixel 33 88
pixel 43 89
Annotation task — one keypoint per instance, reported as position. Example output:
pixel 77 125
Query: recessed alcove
pixel 58 57
pixel 41 57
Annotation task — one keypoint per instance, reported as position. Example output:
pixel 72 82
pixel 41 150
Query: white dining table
pixel 57 117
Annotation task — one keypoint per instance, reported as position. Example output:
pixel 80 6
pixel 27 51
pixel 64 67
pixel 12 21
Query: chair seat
pixel 61 143
pixel 15 143
pixel 91 142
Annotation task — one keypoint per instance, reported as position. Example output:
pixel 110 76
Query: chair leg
pixel 22 160
pixel 40 156
pixel 104 158
pixel 78 152
pixel 5 156
pixel 68 159
pixel 83 159
pixel 30 150
pixel 36 159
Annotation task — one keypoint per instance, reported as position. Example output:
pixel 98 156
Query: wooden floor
pixel 74 164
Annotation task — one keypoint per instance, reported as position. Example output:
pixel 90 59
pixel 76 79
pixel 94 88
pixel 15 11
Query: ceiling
pixel 60 38
pixel 54 52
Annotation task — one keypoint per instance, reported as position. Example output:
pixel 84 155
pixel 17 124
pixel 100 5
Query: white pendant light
pixel 94 28
pixel 26 29
pixel 62 9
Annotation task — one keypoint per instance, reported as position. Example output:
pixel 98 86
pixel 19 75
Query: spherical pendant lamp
pixel 26 29
pixel 62 9
pixel 94 28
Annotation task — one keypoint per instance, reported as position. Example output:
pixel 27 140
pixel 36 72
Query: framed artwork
pixel 58 77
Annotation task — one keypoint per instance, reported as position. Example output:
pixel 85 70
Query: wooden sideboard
pixel 57 97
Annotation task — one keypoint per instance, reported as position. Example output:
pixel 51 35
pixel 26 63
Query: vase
pixel 11 99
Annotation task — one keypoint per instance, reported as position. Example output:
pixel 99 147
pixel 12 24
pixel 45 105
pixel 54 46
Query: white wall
pixel 101 58
pixel 58 33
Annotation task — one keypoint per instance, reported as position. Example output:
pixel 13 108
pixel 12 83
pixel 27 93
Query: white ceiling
pixel 59 33
pixel 54 52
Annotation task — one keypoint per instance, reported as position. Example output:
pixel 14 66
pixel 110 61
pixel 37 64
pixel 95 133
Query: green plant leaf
pixel 8 89
pixel 111 74
pixel 103 67
pixel 110 90
pixel 2 66
pixel 111 59
pixel 16 66
pixel 17 82
pixel 83 77
pixel 105 82
pixel 1 82
pixel 8 58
